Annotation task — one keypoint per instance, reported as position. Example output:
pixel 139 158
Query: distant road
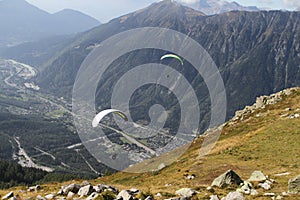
pixel 61 107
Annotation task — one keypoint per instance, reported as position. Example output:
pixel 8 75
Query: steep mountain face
pixel 257 52
pixel 21 22
pixel 211 7
pixel 64 66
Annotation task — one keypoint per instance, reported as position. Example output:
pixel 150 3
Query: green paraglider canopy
pixel 172 56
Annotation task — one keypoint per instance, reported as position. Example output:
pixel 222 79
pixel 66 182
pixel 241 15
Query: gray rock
pixel 133 191
pixel 149 198
pixel 124 195
pixel 85 183
pixel 190 177
pixel 214 197
pixel 234 196
pixel 185 192
pixel 246 186
pixel 101 188
pixel 39 197
pixel 285 194
pixel 210 189
pixel 62 198
pixel 179 198
pixel 69 188
pixel 269 194
pixel 71 195
pixel 257 176
pixel 8 195
pixel 50 196
pixel 279 197
pixel 158 195
pixel 34 188
pixel 266 185
pixel 254 192
pixel 228 178
pixel 85 190
pixel 93 196
pixel 294 185
pixel 161 166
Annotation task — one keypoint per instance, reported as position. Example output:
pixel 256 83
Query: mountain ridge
pixel 242 44
pixel 23 22
pixel 212 7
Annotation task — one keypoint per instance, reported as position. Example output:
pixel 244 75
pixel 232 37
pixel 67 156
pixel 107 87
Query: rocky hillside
pixel 256 157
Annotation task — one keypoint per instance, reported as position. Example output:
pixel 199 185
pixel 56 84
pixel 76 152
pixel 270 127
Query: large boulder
pixel 7 196
pixel 70 195
pixel 85 190
pixel 234 196
pixel 124 195
pixel 214 197
pixel 93 196
pixel 185 192
pixel 69 188
pixel 294 185
pixel 228 178
pixel 257 176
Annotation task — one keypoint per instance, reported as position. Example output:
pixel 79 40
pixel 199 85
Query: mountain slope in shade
pixel 257 52
pixel 211 7
pixel 21 22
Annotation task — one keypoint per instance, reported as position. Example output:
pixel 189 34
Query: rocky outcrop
pixel 69 188
pixel 261 103
pixel 294 185
pixel 228 178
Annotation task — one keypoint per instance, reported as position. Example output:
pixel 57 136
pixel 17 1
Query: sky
pixel 104 10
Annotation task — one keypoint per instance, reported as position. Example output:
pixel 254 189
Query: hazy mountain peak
pixel 211 7
pixel 7 6
pixel 74 15
pixel 162 11
pixel 21 22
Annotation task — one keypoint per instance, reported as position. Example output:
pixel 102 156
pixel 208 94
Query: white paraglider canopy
pixel 103 113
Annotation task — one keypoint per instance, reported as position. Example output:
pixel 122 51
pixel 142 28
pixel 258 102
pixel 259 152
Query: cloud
pixel 291 3
pixel 266 1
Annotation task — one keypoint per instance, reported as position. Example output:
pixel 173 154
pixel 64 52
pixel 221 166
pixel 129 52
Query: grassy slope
pixel 267 142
